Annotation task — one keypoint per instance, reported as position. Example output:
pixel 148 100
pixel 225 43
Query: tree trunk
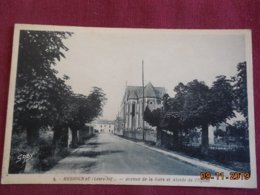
pixel 64 136
pixel 205 139
pixel 74 142
pixel 60 137
pixel 56 135
pixel 158 136
pixel 33 134
pixel 176 145
pixel 180 140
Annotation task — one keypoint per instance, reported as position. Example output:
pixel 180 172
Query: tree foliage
pixel 153 117
pixel 97 99
pixel 240 89
pixel 238 129
pixel 221 101
pixel 37 86
pixel 39 92
pixel 210 106
pixel 206 106
pixel 195 105
pixel 43 99
pixel 83 109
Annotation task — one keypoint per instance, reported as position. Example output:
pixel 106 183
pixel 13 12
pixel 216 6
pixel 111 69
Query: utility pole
pixel 143 95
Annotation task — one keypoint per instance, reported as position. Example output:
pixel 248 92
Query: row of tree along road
pixel 45 104
pixel 196 105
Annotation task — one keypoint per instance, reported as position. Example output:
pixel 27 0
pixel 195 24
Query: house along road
pixel 107 153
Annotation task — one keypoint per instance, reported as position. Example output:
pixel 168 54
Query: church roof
pixel 134 92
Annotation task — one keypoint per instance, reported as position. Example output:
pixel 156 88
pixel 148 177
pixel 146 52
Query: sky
pixel 112 58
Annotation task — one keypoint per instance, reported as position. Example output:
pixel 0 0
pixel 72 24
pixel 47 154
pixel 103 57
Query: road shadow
pixel 92 145
pixel 96 144
pixel 94 154
pixel 87 166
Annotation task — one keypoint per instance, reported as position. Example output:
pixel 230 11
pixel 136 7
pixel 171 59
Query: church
pixel 130 116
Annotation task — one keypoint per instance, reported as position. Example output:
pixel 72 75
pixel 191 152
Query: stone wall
pixel 150 135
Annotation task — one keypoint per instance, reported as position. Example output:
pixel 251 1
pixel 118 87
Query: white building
pixel 104 126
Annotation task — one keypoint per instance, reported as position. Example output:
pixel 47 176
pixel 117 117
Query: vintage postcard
pixel 130 107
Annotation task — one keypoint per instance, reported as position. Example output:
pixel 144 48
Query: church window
pixel 133 109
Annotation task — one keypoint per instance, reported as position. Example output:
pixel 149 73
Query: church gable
pixel 136 92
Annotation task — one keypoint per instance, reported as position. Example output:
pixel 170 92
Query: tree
pixel 194 105
pixel 238 130
pixel 177 106
pixel 206 106
pixel 78 112
pixel 37 86
pixel 164 118
pixel 167 118
pixel 221 101
pixel 195 110
pixel 154 119
pixel 83 109
pixel 240 90
pixel 97 99
pixel 62 115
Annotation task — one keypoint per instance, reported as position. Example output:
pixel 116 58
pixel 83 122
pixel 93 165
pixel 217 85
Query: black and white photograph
pixel 130 107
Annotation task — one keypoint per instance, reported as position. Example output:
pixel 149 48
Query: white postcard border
pixel 117 179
